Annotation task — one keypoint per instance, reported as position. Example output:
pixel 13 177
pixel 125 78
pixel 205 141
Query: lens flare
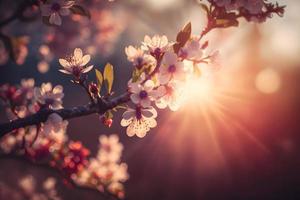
pixel 268 81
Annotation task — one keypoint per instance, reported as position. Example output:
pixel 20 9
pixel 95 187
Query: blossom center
pixel 139 61
pixel 55 7
pixel 76 71
pixel 138 113
pixel 172 68
pixel 156 53
pixel 143 94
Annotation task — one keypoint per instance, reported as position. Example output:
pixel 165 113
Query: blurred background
pixel 237 135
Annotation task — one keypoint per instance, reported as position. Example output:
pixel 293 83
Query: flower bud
pixel 106 121
pixel 93 88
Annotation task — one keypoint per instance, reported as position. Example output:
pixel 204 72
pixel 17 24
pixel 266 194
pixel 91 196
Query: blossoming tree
pixel 162 67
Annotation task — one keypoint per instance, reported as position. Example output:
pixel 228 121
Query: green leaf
pixel 182 37
pixel 136 75
pixel 108 77
pixel 99 79
pixel 79 10
pixel 109 115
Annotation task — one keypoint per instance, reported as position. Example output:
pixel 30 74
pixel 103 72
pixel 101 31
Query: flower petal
pixel 145 103
pixel 135 98
pixel 87 69
pixel 128 114
pixel 134 87
pixel 125 122
pixel 55 19
pixel 85 60
pixel 64 63
pixel 78 53
pixel 164 78
pixel 149 85
pixel 57 89
pixel 64 71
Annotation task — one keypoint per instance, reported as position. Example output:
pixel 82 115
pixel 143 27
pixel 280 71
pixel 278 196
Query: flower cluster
pixel 28 186
pixel 161 71
pixel 48 141
pixel 105 170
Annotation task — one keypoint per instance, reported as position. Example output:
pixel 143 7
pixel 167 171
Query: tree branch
pixel 66 113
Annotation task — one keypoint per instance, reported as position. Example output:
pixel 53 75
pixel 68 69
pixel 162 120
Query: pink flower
pixel 76 64
pixel 172 96
pixel 55 9
pixel 156 45
pixel 52 97
pixel 139 121
pixel 143 94
pixel 171 69
pixel 138 58
pixel 192 50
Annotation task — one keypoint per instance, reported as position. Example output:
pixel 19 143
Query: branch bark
pixel 66 113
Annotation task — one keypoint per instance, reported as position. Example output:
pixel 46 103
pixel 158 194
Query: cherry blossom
pixel 139 121
pixel 55 9
pixel 156 45
pixel 76 64
pixel 172 97
pixel 192 50
pixel 138 57
pixel 54 123
pixel 48 96
pixel 110 150
pixel 143 94
pixel 171 68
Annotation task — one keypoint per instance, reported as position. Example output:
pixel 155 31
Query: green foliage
pixel 108 75
pixel 99 79
pixel 182 37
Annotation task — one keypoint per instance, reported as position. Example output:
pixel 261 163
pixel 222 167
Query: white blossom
pixel 110 149
pixel 143 94
pixel 76 64
pixel 45 95
pixel 171 69
pixel 192 50
pixel 172 97
pixel 138 57
pixel 156 45
pixel 139 121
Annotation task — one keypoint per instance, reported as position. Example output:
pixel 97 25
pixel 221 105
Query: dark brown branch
pixel 66 113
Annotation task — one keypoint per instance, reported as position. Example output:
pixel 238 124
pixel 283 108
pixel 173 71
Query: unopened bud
pixel 93 88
